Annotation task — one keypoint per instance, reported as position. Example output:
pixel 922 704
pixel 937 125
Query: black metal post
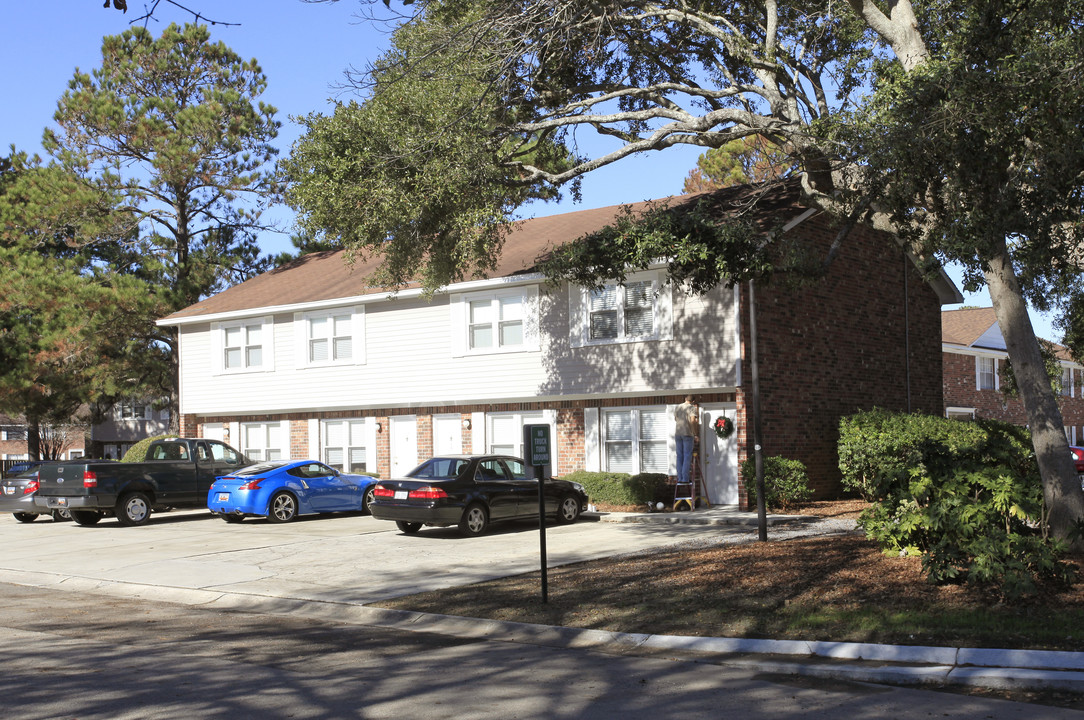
pixel 758 459
pixel 542 530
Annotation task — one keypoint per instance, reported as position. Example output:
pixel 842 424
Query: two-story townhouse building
pixel 307 360
pixel 974 357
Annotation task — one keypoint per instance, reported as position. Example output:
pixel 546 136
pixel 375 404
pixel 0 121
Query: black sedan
pixel 471 491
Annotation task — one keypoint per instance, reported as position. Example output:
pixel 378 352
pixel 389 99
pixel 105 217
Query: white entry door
pixel 404 444
pixel 447 435
pixel 719 457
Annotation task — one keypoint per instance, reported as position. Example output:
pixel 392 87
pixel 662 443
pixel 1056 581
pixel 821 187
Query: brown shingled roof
pixel 964 327
pixel 327 276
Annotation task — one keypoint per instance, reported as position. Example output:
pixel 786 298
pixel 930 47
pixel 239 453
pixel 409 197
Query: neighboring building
pixel 15 441
pixel 123 425
pixel 973 360
pixel 308 361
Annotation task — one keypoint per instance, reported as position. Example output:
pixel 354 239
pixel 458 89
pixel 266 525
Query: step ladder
pixel 691 495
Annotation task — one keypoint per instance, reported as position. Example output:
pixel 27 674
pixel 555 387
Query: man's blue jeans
pixel 684 457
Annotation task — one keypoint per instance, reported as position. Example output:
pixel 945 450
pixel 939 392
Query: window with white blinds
pixel 345 445
pixel 636 440
pixel 621 312
pixel 262 441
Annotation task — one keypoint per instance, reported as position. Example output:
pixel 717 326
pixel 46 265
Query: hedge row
pixel 610 488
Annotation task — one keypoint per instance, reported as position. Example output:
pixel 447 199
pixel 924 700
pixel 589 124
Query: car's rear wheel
pixel 283 507
pixel 133 509
pixel 475 520
pixel 367 503
pixel 233 518
pixel 569 510
pixel 408 527
pixel 25 517
pixel 86 517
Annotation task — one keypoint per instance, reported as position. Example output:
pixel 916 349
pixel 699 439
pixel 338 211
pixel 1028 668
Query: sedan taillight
pixel 383 491
pixel 428 492
pixel 31 486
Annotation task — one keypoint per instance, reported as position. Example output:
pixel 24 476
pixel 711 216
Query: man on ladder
pixel 686 428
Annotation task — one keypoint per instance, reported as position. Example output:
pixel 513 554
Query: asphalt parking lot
pixel 342 558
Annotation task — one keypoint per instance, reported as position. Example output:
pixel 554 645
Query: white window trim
pixel 357 336
pixel 549 417
pixel 267 355
pixel 369 431
pixel 978 372
pixel 459 306
pixel 949 411
pixel 662 308
pixel 284 442
pixel 1071 390
pixel 666 410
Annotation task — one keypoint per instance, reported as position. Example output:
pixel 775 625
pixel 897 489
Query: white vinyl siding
pixel 415 353
pixel 636 440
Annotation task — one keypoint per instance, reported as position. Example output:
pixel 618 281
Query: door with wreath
pixel 718 455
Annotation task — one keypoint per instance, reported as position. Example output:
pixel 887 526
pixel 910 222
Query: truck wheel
pixel 25 517
pixel 86 517
pixel 283 508
pixel 133 509
pixel 61 515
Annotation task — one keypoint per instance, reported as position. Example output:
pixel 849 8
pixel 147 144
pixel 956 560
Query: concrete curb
pixel 891 664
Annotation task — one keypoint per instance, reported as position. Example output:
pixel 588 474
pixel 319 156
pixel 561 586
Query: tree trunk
pixel 1061 489
pixel 33 438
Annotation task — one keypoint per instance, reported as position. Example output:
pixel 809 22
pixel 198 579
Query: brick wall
pixel 835 346
pixel 961 391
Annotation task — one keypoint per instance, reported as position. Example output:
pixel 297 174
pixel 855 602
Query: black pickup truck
pixel 178 473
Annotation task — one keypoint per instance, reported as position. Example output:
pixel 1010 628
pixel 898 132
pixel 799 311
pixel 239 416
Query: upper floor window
pixel 245 345
pixel 638 310
pixel 1067 382
pixel 497 321
pixel 333 337
pixel 987 373
pixel 622 312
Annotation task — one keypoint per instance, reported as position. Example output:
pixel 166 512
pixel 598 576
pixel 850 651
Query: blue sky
pixel 304 50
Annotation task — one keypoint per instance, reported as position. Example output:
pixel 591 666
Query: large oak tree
pixel 480 102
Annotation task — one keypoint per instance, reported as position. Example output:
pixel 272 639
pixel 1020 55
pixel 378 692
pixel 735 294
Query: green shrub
pixel 620 488
pixel 965 496
pixel 138 452
pixel 786 484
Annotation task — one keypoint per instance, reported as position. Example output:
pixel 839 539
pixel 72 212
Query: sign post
pixel 536 443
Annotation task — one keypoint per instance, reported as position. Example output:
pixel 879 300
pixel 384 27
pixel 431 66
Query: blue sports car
pixel 280 491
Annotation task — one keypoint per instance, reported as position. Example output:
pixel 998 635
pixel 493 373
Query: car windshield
pixel 439 468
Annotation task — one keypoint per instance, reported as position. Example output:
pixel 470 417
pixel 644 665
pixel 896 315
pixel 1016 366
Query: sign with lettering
pixel 537 445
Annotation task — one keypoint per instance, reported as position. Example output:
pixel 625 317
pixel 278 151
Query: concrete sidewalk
pixel 298 570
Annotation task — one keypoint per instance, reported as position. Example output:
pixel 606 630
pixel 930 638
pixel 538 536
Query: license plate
pixel 223 497
pixel 401 494
pixel 9 491
pixel 58 502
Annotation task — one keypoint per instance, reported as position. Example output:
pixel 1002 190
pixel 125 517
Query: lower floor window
pixel 344 445
pixel 635 440
pixel 262 441
pixel 506 432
